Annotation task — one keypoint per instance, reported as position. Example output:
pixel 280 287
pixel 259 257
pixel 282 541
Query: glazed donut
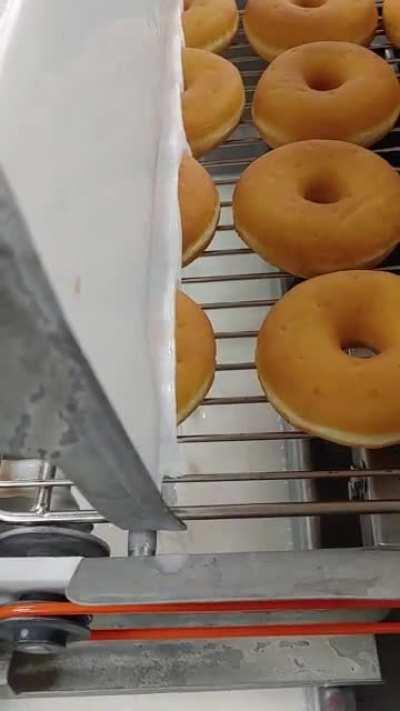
pixel 210 24
pixel 274 27
pixel 195 355
pixel 331 90
pixel 391 20
pixel 319 206
pixel 199 208
pixel 310 379
pixel 213 99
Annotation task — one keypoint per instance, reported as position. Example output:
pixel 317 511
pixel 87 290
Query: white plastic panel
pixel 90 141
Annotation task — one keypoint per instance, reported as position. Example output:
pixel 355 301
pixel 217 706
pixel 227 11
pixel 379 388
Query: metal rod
pixel 238 400
pixel 282 509
pixel 253 276
pixel 34 484
pixel 232 476
pixel 222 162
pixel 235 366
pixel 387 149
pixel 83 516
pixel 247 60
pixel 242 437
pixel 226 252
pixel 225 228
pixel 44 494
pixel 255 303
pixel 221 335
pixel 225 181
pixel 142 543
pixel 249 73
pixel 279 476
pixel 249 141
pixel 220 512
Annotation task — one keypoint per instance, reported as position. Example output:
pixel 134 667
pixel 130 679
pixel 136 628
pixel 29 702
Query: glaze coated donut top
pixel 210 24
pixel 213 99
pixel 199 208
pixel 319 206
pixel 273 26
pixel 333 90
pixel 306 372
pixel 391 19
pixel 195 355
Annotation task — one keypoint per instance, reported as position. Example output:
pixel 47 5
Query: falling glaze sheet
pixel 90 142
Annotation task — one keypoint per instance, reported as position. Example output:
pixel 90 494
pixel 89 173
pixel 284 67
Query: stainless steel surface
pixel 246 290
pixel 44 494
pixel 325 573
pixel 226 164
pixel 336 700
pixel 52 406
pixel 195 666
pixel 327 474
pixel 276 510
pixel 142 543
pixel 379 530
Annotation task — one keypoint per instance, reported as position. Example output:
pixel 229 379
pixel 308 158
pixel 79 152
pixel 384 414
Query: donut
pixel 195 355
pixel 209 24
pixel 306 373
pixel 274 27
pixel 213 99
pixel 331 90
pixel 391 20
pixel 199 208
pixel 319 206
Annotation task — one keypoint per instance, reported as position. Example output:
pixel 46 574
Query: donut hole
pixel 323 191
pixel 324 80
pixel 359 350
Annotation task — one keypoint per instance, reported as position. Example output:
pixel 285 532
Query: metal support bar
pixel 197 666
pixel 283 575
pixel 142 543
pixel 44 493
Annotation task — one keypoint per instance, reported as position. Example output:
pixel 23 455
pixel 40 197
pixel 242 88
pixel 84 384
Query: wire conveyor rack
pixel 236 289
pixel 226 164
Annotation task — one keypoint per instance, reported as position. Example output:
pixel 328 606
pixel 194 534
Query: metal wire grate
pixel 226 164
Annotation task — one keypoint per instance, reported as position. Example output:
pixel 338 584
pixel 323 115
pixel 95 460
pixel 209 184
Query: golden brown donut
pixel 213 99
pixel 274 27
pixel 199 207
pixel 210 24
pixel 195 355
pixel 309 378
pixel 331 90
pixel 319 206
pixel 391 20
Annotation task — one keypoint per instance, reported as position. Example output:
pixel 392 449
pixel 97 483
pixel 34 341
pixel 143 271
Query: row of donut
pixel 301 357
pixel 329 90
pixel 309 208
pixel 275 26
pixel 312 207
